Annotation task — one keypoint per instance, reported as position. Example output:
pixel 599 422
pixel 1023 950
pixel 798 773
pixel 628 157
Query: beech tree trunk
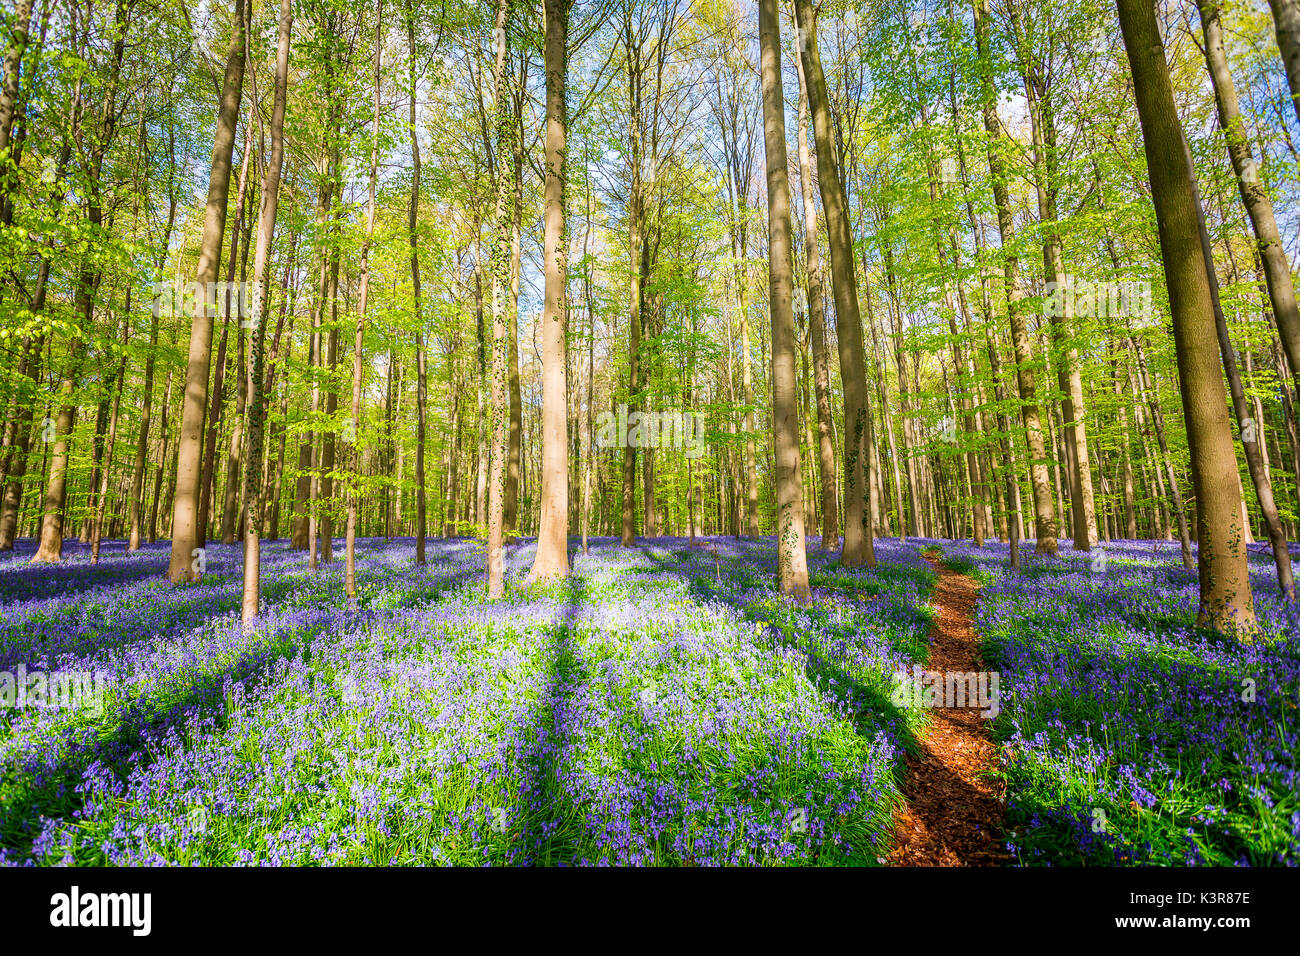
pixel 1031 415
pixel 792 558
pixel 50 549
pixel 1038 95
pixel 421 371
pixel 500 322
pixel 859 547
pixel 184 565
pixel 146 411
pixel 1254 196
pixel 552 560
pixel 1226 600
pixel 256 371
pixel 101 503
pixel 817 330
pixel 358 345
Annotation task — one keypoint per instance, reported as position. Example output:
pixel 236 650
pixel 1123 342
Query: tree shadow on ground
pixel 40 789
pixel 871 707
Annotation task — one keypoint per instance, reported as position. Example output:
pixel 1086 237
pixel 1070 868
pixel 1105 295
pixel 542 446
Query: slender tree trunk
pixel 1162 463
pixel 302 536
pixel 552 558
pixel 15 464
pixel 164 440
pixel 588 440
pixel 186 532
pixel 859 547
pixel 450 526
pixel 221 380
pixel 1125 451
pixel 514 461
pixel 102 502
pixel 894 309
pixel 636 291
pixel 1031 415
pixel 1254 196
pixel 281 350
pixel 1251 428
pixel 1074 432
pixel 358 345
pixel 421 371
pixel 146 411
pixel 817 330
pixel 500 322
pixel 50 549
pixel 886 417
pixel 792 558
pixel 260 299
pixel 481 468
pixel 329 445
pixel 229 517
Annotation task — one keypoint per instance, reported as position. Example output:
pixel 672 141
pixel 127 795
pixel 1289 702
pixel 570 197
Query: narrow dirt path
pixel 954 810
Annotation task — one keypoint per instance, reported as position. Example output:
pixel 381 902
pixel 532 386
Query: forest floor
pixel 954 810
pixel 665 705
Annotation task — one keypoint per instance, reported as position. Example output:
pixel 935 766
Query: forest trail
pixel 954 810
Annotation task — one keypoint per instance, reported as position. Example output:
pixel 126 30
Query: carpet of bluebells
pixel 663 706
pixel 1129 735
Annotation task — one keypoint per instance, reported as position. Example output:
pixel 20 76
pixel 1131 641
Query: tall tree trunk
pixel 450 527
pixel 146 411
pixel 1038 95
pixel 817 329
pixel 281 350
pixel 482 465
pixel 514 461
pixel 50 549
pixel 552 558
pixel 1254 196
pixel 1044 508
pixel 859 546
pixel 792 558
pixel 234 463
pixel 101 503
pixel 1226 601
pixel 260 299
pixel 1125 450
pixel 185 510
pixel 328 443
pixel 500 322
pixel 358 344
pixel 887 418
pixel 164 440
pixel 421 370
pixel 588 438
pixel 964 362
pixel 1162 461
pixel 951 301
pixel 1251 427
pixel 302 536
pixel 636 290
pixel 15 462
pixel 224 373
pixel 894 309
pixel 747 394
